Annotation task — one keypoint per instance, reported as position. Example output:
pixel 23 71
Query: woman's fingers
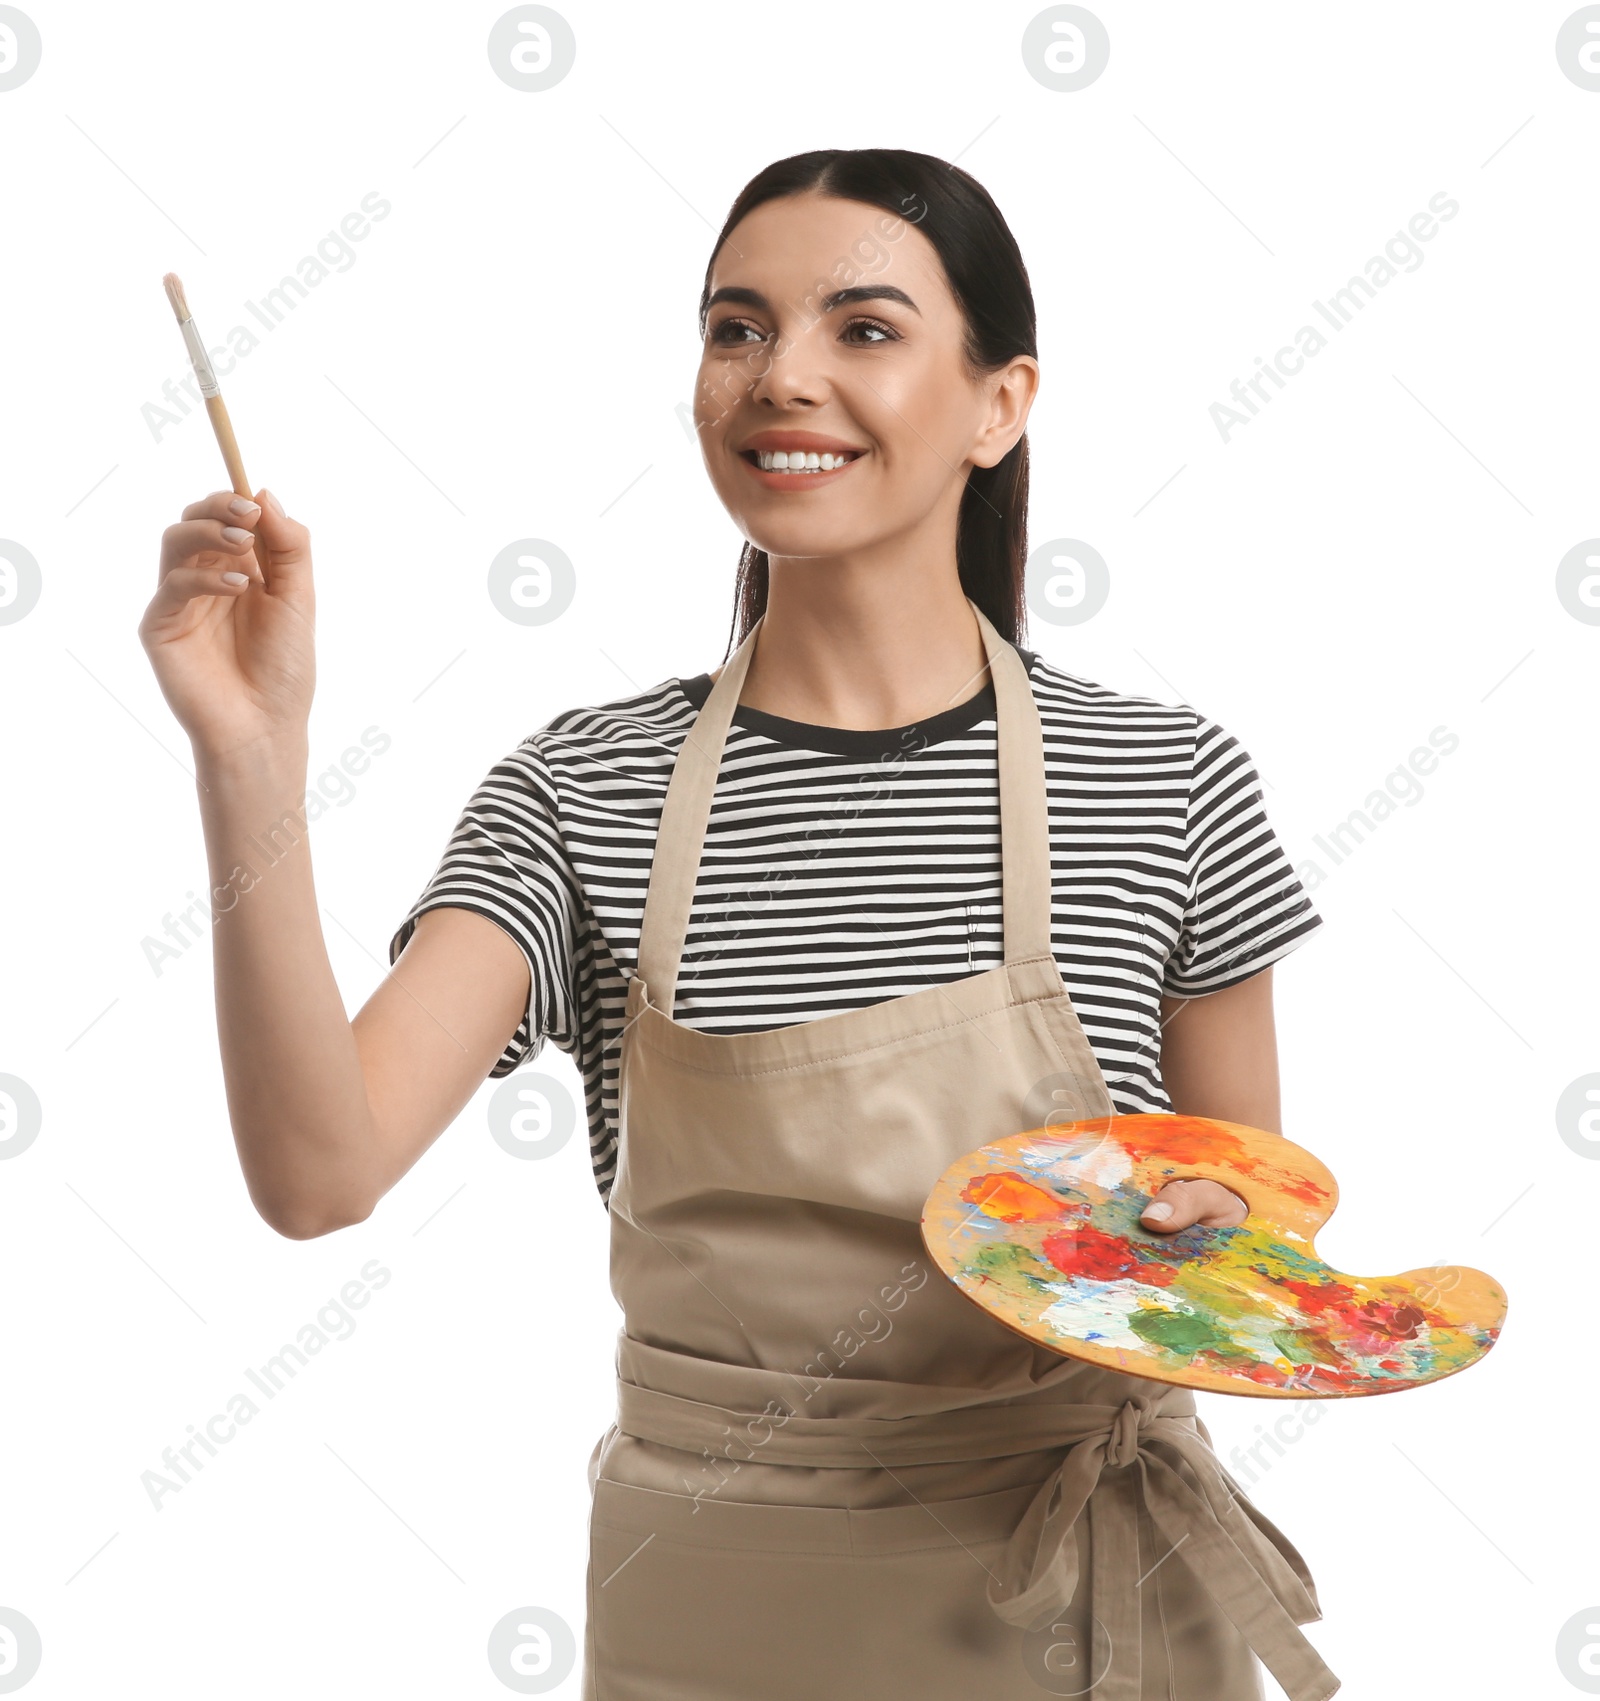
pixel 220 526
pixel 225 506
pixel 225 534
pixel 186 583
pixel 1191 1202
pixel 283 547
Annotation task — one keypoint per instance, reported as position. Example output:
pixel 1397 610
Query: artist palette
pixel 1042 1230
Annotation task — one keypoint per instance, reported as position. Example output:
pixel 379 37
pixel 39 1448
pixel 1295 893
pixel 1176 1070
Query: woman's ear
pixel 1011 392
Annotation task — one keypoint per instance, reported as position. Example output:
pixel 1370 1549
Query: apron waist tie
pixel 1250 1568
pixel 1244 1561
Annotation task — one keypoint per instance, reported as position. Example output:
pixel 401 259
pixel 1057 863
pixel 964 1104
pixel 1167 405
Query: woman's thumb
pixel 283 545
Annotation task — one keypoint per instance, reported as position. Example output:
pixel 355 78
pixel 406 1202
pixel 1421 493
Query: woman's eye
pixel 887 332
pixel 727 331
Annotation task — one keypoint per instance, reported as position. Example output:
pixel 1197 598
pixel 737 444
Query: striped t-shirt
pixel 841 868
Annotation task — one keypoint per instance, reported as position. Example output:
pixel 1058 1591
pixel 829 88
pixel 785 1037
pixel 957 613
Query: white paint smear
pixel 1102 1164
pixel 1096 1310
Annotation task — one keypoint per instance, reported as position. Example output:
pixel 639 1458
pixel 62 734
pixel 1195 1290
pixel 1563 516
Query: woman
pixel 805 923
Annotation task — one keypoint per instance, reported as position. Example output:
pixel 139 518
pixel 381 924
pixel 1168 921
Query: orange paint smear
pixel 1010 1198
pixel 1187 1142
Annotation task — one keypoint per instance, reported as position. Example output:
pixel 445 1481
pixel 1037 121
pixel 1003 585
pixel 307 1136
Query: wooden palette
pixel 1042 1230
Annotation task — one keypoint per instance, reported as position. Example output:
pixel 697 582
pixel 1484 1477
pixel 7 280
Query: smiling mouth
pixel 798 461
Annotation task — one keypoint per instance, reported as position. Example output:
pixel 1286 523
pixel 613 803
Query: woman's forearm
pixel 296 1095
pixel 1219 1054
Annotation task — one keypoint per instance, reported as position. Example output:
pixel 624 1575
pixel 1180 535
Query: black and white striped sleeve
pixel 1246 906
pixel 506 859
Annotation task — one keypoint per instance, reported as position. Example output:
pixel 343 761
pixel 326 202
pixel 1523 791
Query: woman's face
pixel 876 379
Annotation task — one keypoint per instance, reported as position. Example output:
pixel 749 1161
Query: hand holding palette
pixel 1042 1230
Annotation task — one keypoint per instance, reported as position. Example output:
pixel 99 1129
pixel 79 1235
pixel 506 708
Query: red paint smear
pixel 1374 1321
pixel 1398 1322
pixel 1323 1377
pixel 1103 1257
pixel 1317 1297
pixel 1300 1187
pixel 1011 1198
pixel 1254 1371
pixel 1304 1377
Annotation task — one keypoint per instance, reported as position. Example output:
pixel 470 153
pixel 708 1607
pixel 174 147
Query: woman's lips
pixel 774 480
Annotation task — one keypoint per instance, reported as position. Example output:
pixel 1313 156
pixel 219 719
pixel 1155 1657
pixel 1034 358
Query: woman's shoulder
pixel 638 728
pixel 1071 699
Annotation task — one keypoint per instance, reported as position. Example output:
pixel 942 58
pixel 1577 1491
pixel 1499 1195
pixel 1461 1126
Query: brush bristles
pixel 175 296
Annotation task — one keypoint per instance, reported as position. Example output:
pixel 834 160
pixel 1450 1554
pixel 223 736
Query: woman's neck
pixel 864 650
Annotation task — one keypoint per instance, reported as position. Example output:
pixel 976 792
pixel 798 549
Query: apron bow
pixel 1250 1569
pixel 1122 1445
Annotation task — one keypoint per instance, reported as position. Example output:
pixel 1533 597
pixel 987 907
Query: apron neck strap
pixel 686 810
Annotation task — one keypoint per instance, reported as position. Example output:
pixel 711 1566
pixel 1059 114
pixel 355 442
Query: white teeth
pixel 798 460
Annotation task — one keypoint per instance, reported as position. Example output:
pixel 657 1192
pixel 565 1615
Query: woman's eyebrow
pixel 837 298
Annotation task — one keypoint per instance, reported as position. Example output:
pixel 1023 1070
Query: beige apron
pixel 831 1474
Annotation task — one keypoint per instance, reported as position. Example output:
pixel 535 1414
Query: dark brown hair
pixel 984 268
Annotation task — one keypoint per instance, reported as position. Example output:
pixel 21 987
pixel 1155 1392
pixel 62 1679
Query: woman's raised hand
pixel 234 656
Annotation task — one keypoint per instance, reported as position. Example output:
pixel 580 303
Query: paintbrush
pixel 212 391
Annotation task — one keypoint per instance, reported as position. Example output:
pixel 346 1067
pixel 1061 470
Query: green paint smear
pixel 1004 1260
pixel 1174 1330
pixel 1304 1349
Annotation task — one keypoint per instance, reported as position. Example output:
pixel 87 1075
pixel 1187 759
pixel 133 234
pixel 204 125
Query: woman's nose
pixel 791 372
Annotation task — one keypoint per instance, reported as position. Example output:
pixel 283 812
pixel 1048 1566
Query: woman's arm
pixel 1219 1058
pixel 327 1113
pixel 1219 1054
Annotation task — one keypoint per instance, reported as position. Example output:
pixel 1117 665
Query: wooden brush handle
pixel 223 426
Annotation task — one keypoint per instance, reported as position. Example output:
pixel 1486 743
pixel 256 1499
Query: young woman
pixel 881 888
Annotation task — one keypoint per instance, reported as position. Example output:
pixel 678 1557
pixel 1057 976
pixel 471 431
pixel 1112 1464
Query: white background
pixel 1373 557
